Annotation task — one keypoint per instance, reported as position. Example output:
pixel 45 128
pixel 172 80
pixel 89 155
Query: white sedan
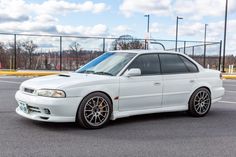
pixel 120 84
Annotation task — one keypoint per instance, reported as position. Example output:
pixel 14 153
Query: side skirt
pixel 121 114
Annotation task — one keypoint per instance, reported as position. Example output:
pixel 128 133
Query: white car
pixel 121 84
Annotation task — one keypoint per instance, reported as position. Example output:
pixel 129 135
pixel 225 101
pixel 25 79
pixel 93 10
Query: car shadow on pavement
pixel 139 120
pixel 128 121
pixel 56 126
pixel 156 126
pixel 146 118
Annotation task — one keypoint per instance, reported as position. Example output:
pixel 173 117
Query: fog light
pixel 47 111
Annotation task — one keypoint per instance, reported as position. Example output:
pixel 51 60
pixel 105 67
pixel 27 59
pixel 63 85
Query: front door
pixel 145 91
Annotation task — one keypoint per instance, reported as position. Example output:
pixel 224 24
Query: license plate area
pixel 23 106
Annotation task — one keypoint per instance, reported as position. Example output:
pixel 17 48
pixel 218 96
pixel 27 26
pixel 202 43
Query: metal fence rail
pixel 63 52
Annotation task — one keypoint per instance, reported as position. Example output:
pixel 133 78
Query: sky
pixel 112 18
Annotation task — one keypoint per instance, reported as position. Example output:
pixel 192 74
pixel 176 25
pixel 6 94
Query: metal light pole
pixel 204 59
pixel 225 29
pixel 60 53
pixel 177 27
pixel 14 52
pixel 148 21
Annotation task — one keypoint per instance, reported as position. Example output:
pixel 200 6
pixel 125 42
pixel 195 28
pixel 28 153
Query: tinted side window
pixel 190 65
pixel 172 64
pixel 148 64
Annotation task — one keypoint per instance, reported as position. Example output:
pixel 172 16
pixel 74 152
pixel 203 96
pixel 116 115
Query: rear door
pixel 179 78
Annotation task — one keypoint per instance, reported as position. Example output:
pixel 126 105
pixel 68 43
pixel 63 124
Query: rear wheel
pixel 200 102
pixel 94 111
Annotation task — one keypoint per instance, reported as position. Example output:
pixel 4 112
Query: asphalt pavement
pixel 157 135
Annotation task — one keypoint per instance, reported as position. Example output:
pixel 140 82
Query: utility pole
pixel 204 59
pixel 148 25
pixel 176 32
pixel 225 30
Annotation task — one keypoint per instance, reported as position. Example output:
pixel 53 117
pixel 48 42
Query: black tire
pixel 200 102
pixel 93 108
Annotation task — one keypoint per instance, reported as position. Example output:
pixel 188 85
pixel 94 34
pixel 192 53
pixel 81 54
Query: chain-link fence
pixel 207 54
pixel 53 52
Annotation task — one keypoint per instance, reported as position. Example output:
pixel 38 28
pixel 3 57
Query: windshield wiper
pixel 103 73
pixel 87 71
pixel 98 73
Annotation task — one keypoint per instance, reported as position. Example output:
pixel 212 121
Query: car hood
pixel 65 80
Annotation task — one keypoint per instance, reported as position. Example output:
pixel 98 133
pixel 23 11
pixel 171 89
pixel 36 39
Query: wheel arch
pixel 206 87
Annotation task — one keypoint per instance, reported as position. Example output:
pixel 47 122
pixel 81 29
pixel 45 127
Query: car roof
pixel 158 51
pixel 138 51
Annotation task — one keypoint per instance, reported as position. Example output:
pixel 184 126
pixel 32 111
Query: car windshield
pixel 110 63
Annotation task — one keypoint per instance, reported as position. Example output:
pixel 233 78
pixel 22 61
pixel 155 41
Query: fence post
pixel 14 52
pixel 184 46
pixel 60 53
pixel 220 51
pixel 145 45
pixel 204 55
pixel 103 45
pixel 193 51
pixel 30 61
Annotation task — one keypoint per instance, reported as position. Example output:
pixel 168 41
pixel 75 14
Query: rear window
pixel 172 64
pixel 190 65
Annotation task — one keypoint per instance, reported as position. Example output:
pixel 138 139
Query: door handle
pixel 192 81
pixel 156 83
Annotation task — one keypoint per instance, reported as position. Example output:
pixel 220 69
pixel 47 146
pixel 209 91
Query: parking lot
pixel 166 134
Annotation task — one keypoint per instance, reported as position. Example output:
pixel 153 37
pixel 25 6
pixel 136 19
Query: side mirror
pixel 132 72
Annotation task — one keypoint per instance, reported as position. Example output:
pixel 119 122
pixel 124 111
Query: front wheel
pixel 200 102
pixel 94 111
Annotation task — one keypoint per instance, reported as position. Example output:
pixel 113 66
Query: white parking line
pixel 228 102
pixel 229 85
pixel 7 77
pixel 13 82
pixel 231 91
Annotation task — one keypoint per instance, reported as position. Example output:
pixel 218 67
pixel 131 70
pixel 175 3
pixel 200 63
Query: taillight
pixel 221 76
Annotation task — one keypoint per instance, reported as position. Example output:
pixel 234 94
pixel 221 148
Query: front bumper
pixel 61 109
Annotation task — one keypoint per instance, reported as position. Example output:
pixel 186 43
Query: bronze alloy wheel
pixel 94 111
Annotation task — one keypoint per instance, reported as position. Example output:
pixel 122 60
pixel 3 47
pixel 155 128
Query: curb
pixel 229 76
pixel 21 73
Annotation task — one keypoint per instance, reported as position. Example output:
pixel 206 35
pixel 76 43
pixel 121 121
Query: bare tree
pixel 136 44
pixel 75 48
pixel 29 47
pixel 126 42
pixel 2 54
pixel 19 50
pixel 2 48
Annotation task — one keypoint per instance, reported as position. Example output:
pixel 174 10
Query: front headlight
pixel 51 93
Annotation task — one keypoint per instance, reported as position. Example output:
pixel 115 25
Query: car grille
pixel 34 109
